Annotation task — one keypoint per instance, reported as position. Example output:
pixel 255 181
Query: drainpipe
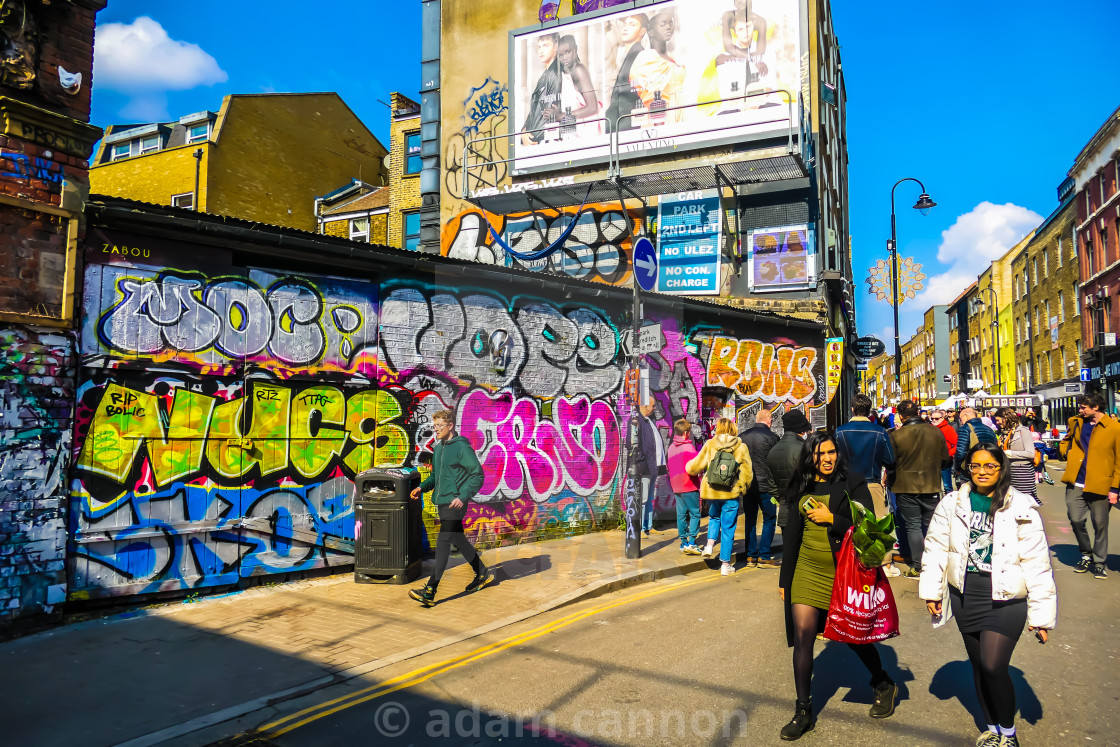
pixel 197 169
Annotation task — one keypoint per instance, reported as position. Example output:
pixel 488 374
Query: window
pixel 1045 264
pixel 412 153
pixel 198 133
pixel 121 150
pixel 184 200
pixel 412 231
pixel 1061 307
pixel 1035 271
pixel 1048 317
pixel 1017 333
pixel 1059 251
pixel 149 144
pixel 1079 351
pixel 359 229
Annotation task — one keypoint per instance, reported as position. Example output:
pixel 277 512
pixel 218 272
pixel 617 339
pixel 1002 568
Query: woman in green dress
pixel 820 515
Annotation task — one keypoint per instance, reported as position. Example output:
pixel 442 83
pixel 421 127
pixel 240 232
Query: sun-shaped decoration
pixel 910 277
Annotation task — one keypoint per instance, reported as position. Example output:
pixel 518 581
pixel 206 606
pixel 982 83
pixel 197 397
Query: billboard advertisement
pixel 780 259
pixel 670 76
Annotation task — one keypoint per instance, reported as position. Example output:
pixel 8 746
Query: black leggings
pixel 806 623
pixel 990 655
pixel 451 532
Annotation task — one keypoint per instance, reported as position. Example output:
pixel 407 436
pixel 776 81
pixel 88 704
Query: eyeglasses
pixel 984 469
pixel 442 426
pixel 936 419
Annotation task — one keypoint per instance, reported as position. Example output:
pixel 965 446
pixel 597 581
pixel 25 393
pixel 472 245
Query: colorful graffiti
pixel 36 406
pixel 772 372
pixel 598 248
pixel 281 323
pixel 485 111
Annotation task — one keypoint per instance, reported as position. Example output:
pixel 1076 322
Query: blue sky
pixel 986 102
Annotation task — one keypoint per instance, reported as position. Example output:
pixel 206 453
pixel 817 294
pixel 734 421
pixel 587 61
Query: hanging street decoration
pixel 910 277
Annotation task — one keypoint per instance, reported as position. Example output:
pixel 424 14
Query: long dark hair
pixel 806 473
pixel 1003 486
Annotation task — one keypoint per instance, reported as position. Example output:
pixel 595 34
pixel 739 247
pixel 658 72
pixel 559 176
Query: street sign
pixel 1073 388
pixel 947 378
pixel 1085 375
pixel 689 236
pixel 869 347
pixel 1110 339
pixel 650 340
pixel 645 263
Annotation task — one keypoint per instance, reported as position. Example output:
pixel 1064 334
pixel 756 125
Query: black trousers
pixel 917 512
pixel 451 533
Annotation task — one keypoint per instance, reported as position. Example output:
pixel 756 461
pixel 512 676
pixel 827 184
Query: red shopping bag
pixel 863 608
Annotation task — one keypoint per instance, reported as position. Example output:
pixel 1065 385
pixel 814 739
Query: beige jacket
pixel 699 464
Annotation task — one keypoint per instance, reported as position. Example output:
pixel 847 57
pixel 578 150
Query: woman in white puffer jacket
pixel 987 563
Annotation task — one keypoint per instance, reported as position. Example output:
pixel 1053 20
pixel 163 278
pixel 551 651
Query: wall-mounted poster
pixel 833 365
pixel 780 259
pixel 669 76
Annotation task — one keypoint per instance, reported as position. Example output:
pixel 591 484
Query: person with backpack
pixel 1018 444
pixel 970 432
pixel 686 487
pixel 725 463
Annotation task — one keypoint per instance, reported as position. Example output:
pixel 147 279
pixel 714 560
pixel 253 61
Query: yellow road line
pixel 417 676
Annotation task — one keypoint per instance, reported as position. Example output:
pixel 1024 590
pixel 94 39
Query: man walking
pixel 1091 449
pixel 760 495
pixel 652 456
pixel 970 432
pixel 455 479
pixel 785 457
pixel 938 418
pixel 920 455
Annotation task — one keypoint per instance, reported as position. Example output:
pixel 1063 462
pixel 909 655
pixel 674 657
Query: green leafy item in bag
pixel 873 538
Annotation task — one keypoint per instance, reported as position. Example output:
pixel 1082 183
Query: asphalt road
pixel 703 661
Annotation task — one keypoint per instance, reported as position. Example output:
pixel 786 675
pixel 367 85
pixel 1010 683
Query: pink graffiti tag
pixel 520 450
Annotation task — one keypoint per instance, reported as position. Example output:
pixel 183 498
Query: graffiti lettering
pixel 19 166
pixel 774 373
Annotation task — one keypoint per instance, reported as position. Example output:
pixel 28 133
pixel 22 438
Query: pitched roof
pixel 375 200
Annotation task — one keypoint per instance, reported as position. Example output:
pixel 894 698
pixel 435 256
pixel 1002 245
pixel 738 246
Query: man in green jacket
pixel 455 479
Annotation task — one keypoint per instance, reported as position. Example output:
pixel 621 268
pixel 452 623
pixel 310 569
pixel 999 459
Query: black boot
pixel 885 693
pixel 802 721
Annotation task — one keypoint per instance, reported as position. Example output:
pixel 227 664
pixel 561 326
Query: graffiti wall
pixel 36 405
pixel 224 412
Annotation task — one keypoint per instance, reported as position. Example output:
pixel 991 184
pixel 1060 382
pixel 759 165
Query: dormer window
pixel 136 147
pixel 198 133
pixel 122 150
pixel 149 144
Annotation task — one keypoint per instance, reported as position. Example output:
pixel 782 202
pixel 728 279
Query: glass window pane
pixel 412 153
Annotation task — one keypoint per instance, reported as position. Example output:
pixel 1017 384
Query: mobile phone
pixel 810 503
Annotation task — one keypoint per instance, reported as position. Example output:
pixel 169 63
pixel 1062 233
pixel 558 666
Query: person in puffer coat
pixel 723 505
pixel 987 563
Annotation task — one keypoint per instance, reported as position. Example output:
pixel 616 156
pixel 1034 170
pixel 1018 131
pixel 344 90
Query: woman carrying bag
pixel 1018 444
pixel 820 517
pixel 987 563
pixel 726 465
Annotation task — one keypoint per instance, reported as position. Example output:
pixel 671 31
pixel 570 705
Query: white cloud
pixel 968 246
pixel 139 58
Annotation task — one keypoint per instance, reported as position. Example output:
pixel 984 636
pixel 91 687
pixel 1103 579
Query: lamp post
pixel 924 205
pixel 995 332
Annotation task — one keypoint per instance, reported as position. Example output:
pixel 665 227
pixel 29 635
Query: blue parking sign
pixel 690 235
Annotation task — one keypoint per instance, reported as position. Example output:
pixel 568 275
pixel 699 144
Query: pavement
pixel 156 674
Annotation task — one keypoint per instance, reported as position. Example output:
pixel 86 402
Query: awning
pixel 1008 400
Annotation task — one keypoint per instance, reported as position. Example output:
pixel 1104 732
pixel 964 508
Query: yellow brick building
pixel 358 212
pixel 260 157
pixel 404 173
pixel 992 313
pixel 877 382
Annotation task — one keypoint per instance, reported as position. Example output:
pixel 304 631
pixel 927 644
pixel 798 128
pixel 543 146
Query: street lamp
pixel 923 206
pixel 978 303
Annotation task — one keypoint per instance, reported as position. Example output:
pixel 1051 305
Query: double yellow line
pixel 417 676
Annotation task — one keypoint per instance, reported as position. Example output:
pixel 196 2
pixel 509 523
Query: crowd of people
pixel 961 486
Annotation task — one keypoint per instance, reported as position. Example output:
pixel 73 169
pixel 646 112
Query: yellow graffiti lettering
pixel 121 423
pixel 224 447
pixel 180 453
pixel 802 371
pixel 721 371
pixel 757 369
pixel 313 446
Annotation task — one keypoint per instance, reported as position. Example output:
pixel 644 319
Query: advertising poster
pixel 833 365
pixel 689 235
pixel 1053 333
pixel 781 258
pixel 673 75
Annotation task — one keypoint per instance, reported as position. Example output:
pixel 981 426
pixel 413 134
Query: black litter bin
pixel 388 526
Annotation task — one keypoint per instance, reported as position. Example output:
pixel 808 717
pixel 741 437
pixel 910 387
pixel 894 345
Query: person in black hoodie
pixel 821 515
pixel 762 492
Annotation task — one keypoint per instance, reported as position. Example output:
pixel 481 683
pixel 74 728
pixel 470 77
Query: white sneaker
pixel 891 571
pixel 709 550
pixel 726 569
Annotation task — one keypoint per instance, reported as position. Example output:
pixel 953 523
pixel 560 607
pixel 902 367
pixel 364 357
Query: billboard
pixel 670 76
pixel 781 258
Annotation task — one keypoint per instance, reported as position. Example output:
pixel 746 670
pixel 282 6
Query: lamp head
pixel 925 204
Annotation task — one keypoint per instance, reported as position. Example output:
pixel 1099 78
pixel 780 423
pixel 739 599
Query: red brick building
pixel 1096 176
pixel 45 142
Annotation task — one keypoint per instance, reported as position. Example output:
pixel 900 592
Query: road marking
pixel 415 677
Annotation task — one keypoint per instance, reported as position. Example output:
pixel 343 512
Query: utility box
pixel 387 526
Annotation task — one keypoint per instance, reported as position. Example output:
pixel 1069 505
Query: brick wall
pixel 36 406
pixel 337 228
pixel 404 192
pixel 154 177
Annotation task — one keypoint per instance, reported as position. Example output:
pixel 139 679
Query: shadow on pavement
pixel 836 666
pixel 954 680
pixel 1069 555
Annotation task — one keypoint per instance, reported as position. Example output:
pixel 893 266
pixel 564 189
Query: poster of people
pixel 668 76
pixel 780 258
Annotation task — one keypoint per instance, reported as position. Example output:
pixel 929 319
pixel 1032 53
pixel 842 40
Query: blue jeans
pixel 688 513
pixel 758 546
pixel 947 479
pixel 648 494
pixel 722 516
